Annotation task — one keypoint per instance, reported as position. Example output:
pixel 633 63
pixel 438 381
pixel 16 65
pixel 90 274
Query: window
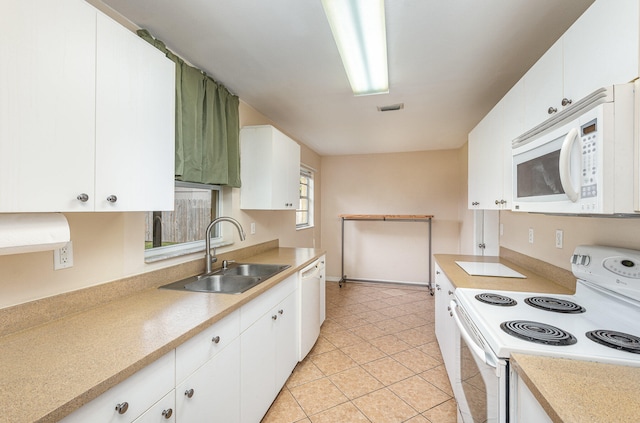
pixel 181 231
pixel 304 213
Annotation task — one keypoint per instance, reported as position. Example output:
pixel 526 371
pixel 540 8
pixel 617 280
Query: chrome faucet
pixel 208 258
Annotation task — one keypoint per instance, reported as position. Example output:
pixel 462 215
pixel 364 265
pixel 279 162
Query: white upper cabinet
pixel 87 112
pixel 270 169
pixel 47 101
pixel 602 47
pixel 599 49
pixel 543 87
pixel 135 122
pixel 490 152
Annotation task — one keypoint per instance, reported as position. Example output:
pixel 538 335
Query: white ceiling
pixel 450 61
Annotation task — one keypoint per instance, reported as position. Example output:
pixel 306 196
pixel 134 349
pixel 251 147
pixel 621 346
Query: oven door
pixel 483 396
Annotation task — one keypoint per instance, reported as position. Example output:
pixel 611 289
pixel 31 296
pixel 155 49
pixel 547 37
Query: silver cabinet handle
pixel 566 101
pixel 112 198
pixel 189 393
pixel 83 197
pixel 551 110
pixel 122 407
pixel 475 203
pixel 167 413
pixel 280 311
pixel 215 339
pixel 274 317
pixel 438 287
pixel 450 292
pixel 437 272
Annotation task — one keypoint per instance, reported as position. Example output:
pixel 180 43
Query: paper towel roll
pixel 29 232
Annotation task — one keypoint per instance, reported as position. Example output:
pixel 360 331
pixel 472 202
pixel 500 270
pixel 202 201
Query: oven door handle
pixel 480 352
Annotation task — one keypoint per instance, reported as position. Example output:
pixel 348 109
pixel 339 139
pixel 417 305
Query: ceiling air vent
pixel 391 107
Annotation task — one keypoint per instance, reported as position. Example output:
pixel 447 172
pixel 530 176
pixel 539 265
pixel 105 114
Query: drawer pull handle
pixel 552 110
pixel 274 317
pixel 215 339
pixel 281 311
pixel 167 413
pixel 189 393
pixel 450 292
pixel 112 198
pixel 83 197
pixel 122 407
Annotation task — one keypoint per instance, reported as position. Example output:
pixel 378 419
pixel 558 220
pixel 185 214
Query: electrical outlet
pixel 63 257
pixel 253 228
pixel 530 235
pixel 559 236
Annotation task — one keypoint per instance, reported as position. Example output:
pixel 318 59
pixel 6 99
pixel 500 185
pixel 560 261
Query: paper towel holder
pixel 31 232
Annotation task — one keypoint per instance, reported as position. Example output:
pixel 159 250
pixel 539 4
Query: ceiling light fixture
pixel 358 27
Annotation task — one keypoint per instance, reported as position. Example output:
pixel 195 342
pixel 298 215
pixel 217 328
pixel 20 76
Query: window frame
pixel 309 173
pixel 217 240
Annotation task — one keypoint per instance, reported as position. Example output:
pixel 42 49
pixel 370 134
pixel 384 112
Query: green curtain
pixel 207 125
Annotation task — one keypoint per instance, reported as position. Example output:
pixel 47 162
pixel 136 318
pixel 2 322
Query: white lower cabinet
pixel 446 330
pixel 269 348
pixel 212 392
pixel 230 372
pixel 525 408
pixel 131 398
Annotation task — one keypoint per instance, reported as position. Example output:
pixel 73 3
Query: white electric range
pixel 600 322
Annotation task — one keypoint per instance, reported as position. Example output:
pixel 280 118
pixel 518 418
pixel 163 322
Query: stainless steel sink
pixel 236 279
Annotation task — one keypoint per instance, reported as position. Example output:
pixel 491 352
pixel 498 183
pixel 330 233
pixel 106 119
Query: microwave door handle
pixel 473 346
pixel 565 164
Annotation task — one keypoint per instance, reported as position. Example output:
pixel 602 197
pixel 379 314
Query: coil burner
pixel 618 340
pixel 540 333
pixel 555 305
pixel 495 299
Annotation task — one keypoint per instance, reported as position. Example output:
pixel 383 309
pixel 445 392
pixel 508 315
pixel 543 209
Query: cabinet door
pixel 286 172
pixel 135 120
pixel 513 125
pixel 212 393
pixel 257 381
pixel 601 48
pixel 446 329
pixel 485 162
pixel 47 121
pixel 286 339
pixel 543 87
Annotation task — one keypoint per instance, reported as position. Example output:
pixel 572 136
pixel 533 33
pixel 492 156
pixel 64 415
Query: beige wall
pixel 577 230
pixel 428 182
pixel 110 246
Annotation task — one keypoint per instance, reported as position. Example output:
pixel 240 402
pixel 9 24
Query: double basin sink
pixel 235 279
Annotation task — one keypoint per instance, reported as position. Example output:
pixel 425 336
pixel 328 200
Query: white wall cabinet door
pixel 135 119
pixel 485 162
pixel 212 393
pixel 47 121
pixel 601 48
pixel 543 87
pixel 270 167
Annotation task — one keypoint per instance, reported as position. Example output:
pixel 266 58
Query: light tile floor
pixel 377 360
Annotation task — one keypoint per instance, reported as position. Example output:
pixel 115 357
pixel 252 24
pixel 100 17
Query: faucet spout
pixel 208 259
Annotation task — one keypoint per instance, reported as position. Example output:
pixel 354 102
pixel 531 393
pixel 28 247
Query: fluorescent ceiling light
pixel 358 27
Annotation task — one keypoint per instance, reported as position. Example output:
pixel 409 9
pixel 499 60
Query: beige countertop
pixel 50 370
pixel 461 279
pixel 570 391
pixel 581 391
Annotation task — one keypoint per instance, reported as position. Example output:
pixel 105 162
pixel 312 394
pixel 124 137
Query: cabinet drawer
pixel 163 411
pixel 196 351
pixel 251 312
pixel 139 392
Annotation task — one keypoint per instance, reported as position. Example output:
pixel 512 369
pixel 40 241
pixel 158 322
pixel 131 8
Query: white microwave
pixel 581 161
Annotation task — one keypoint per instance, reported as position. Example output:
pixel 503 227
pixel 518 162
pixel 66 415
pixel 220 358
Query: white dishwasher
pixel 312 304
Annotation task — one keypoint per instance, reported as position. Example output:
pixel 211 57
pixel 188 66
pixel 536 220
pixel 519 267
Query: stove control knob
pixel 585 260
